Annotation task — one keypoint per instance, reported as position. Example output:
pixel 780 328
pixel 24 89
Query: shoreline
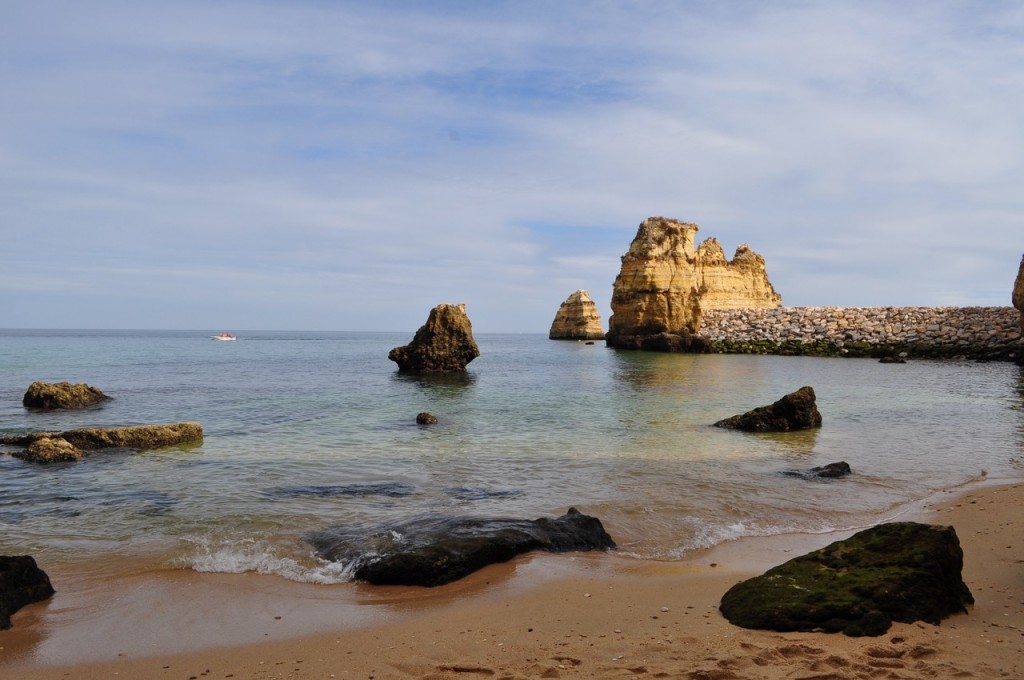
pixel 569 615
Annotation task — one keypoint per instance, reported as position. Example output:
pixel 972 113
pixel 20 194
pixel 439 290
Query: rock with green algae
pixel 902 571
pixel 61 395
pixel 49 447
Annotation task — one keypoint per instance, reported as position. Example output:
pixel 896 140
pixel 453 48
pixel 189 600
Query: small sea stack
pixel 795 411
pixel 444 344
pixel 577 319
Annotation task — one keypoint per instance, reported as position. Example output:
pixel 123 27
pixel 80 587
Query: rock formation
pixel 50 447
pixel 444 344
pixel 425 418
pixel 61 395
pixel 830 471
pixel 577 319
pixel 1018 294
pixel 665 284
pixel 795 411
pixel 902 571
pixel 435 551
pixel 22 582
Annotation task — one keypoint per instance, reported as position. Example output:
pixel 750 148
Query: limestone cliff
pixel 1018 294
pixel 577 319
pixel 665 283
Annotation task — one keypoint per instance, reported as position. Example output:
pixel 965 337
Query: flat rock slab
pixel 22 582
pixel 48 447
pixel 795 411
pixel 434 551
pixel 902 571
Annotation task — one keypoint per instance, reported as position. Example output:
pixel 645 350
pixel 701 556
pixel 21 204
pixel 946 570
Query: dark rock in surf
pixel 903 571
pixel 22 582
pixel 434 551
pixel 795 411
pixel 892 360
pixel 425 419
pixel 830 471
pixel 444 344
pixel 62 395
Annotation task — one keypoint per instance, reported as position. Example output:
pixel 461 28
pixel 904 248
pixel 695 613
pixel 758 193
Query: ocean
pixel 310 431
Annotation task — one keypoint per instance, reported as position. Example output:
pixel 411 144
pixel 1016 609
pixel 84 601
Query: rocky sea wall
pixel 931 332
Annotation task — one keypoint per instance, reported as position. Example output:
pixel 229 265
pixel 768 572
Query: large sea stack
pixel 444 344
pixel 1018 295
pixel 577 319
pixel 665 283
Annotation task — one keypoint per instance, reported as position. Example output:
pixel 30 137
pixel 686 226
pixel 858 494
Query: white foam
pixel 251 555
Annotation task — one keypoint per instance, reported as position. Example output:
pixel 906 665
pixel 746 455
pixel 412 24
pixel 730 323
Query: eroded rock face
pixel 577 319
pixel 61 395
pixel 22 582
pixel 434 551
pixel 1018 294
pixel 665 283
pixel 50 447
pixel 444 344
pixel 903 571
pixel 795 411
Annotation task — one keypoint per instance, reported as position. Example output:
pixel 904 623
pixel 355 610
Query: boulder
pixel 665 284
pixel 425 419
pixel 795 411
pixel 434 551
pixel 903 571
pixel 48 447
pixel 444 344
pixel 830 471
pixel 22 582
pixel 577 319
pixel 45 395
pixel 51 450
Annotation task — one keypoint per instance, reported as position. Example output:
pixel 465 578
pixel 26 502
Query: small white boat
pixel 223 336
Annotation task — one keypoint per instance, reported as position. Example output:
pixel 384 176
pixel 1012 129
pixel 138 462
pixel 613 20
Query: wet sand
pixel 542 616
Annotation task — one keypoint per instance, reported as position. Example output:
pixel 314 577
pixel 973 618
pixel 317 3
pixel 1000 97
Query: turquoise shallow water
pixel 306 431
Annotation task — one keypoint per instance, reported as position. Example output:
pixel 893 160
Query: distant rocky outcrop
pixel 44 395
pixel 1018 294
pixel 435 551
pixel 795 411
pixel 444 344
pixel 666 283
pixel 577 319
pixel 22 582
pixel 903 571
pixel 51 447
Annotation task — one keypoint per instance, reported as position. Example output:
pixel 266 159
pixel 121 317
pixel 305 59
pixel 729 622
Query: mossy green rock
pixel 903 571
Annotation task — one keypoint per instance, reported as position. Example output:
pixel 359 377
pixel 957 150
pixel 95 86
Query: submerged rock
pixel 48 447
pixel 830 471
pixel 665 284
pixel 902 571
pixel 577 319
pixel 795 411
pixel 62 395
pixel 443 344
pixel 22 582
pixel 434 551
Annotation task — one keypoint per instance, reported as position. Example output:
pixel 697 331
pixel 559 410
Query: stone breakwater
pixel 935 332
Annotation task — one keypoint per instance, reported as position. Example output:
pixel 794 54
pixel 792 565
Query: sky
pixel 333 165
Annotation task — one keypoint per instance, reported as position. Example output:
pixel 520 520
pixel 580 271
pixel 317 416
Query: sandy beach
pixel 543 616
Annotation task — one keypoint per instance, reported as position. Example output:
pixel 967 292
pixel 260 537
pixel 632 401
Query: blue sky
pixel 322 165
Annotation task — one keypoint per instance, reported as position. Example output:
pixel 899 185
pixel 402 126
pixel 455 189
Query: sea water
pixel 310 431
